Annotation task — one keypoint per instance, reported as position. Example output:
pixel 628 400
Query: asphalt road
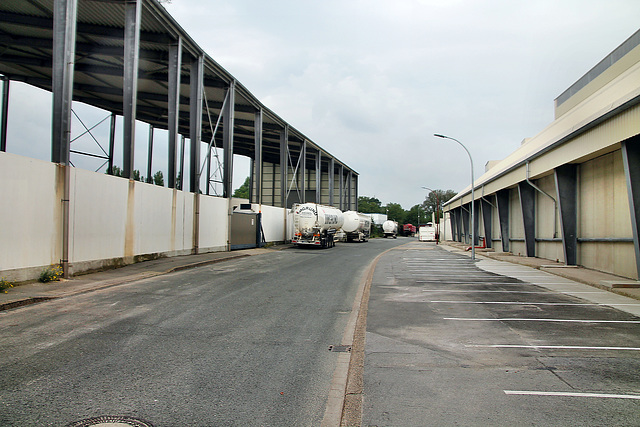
pixel 450 344
pixel 243 342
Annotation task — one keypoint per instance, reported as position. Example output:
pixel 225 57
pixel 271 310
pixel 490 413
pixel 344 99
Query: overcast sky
pixel 372 81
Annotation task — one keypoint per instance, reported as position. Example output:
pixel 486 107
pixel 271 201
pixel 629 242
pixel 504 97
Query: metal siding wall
pixel 603 211
pixel 324 193
pixel 495 225
pixel 545 219
pixel 516 226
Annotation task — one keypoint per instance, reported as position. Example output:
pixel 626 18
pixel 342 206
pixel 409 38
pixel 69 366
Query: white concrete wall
pixel 30 212
pixel 98 218
pixel 116 221
pixel 273 223
pixel 214 224
pixel 113 221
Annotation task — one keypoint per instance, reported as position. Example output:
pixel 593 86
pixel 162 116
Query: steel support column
pixel 476 222
pixel 175 64
pixel 349 190
pixel 228 117
pixel 150 155
pixel 355 190
pixel 284 142
pixel 487 222
pixel 181 172
pixel 341 174
pixel 303 171
pixel 452 218
pixel 5 113
pixel 195 120
pixel 502 201
pixel 133 11
pixel 332 176
pixel 567 191
pixel 318 176
pixel 64 43
pixel 528 205
pixel 454 225
pixel 466 220
pixel 631 161
pixel 457 221
pixel 112 143
pixel 257 159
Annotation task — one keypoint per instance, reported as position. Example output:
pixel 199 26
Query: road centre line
pixel 516 319
pixel 553 347
pixel 570 394
pixel 528 303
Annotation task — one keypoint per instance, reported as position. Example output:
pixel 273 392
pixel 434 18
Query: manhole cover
pixel 111 421
pixel 340 348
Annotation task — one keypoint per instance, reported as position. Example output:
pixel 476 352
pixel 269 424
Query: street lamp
pixel 437 215
pixel 473 198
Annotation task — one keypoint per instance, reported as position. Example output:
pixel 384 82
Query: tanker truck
pixel 357 226
pixel 315 224
pixel 390 229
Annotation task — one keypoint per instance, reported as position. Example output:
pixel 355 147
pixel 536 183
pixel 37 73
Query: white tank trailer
pixel 357 226
pixel 390 229
pixel 315 224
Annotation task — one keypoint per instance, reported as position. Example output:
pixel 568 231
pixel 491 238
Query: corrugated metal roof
pixel 618 96
pixel 26 39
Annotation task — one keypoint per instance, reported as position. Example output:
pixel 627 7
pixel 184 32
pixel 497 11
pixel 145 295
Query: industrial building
pixel 135 62
pixel 571 193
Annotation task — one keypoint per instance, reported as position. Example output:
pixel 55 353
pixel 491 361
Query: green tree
pixel 369 205
pixel 115 171
pixel 415 215
pixel 242 192
pixel 433 199
pixel 395 212
pixel 158 179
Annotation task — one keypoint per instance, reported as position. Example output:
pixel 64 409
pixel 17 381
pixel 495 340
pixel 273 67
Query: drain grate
pixel 109 420
pixel 340 348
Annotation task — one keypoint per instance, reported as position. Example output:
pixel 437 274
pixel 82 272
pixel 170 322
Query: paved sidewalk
pixel 598 279
pixel 33 292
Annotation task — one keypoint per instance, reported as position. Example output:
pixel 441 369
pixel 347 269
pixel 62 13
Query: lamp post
pixel 437 215
pixel 473 198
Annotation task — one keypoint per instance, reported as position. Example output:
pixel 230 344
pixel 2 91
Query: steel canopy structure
pixel 131 58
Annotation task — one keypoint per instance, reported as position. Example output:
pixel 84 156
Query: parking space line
pixel 480 291
pixel 458 283
pixel 517 319
pixel 555 347
pixel 570 394
pixel 532 303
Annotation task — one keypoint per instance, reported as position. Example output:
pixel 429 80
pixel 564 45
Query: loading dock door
pixel 246 230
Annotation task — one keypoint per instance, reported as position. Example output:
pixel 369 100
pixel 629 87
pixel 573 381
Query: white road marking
pixel 527 303
pixel 571 394
pixel 467 291
pixel 486 283
pixel 554 347
pixel 516 319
